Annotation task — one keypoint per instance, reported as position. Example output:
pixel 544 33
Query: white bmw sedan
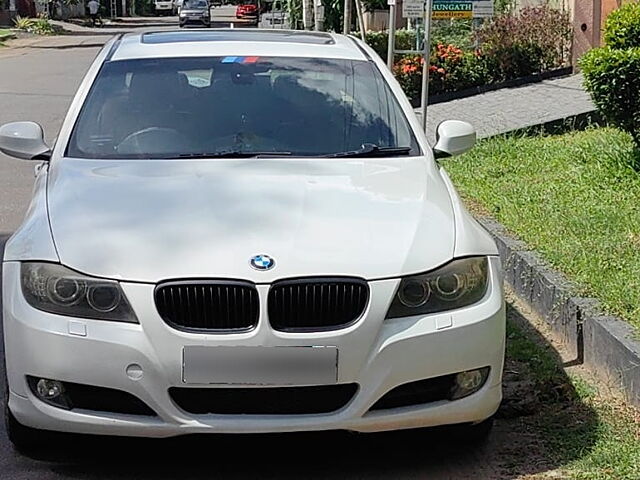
pixel 246 231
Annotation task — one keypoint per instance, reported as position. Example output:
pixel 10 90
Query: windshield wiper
pixel 234 154
pixel 372 150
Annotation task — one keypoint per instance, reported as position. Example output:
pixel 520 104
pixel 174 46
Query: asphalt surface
pixel 37 83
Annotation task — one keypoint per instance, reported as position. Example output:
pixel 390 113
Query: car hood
pixel 192 11
pixel 150 220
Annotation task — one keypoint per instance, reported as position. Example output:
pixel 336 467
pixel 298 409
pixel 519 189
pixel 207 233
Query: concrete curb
pixel 8 36
pixel 605 343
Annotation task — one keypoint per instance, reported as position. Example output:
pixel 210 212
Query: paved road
pixel 37 83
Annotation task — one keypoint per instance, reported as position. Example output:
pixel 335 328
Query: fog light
pixel 49 389
pixel 469 382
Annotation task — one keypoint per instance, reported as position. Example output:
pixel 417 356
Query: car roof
pixel 235 41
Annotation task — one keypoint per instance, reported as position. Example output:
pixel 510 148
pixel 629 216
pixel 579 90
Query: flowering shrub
pixel 408 72
pixel 510 46
pixel 450 69
pixel 534 40
pixel 444 67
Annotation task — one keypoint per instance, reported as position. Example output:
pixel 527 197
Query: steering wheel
pixel 154 140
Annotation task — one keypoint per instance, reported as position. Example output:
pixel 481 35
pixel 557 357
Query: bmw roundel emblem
pixel 262 262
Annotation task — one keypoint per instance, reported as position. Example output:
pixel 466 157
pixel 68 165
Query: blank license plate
pixel 260 365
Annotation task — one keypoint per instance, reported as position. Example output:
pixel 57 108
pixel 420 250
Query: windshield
pixel 195 4
pixel 171 108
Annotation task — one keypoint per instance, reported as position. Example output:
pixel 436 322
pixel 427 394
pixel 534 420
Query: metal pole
pixel 307 14
pixel 425 65
pixel 360 21
pixel 346 25
pixel 318 15
pixel 391 45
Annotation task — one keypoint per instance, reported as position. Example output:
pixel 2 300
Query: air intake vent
pixel 223 306
pixel 264 401
pixel 310 304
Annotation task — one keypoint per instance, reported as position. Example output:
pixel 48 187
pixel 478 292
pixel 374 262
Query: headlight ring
pixel 459 283
pixel 53 288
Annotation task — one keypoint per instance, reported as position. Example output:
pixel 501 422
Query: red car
pixel 247 10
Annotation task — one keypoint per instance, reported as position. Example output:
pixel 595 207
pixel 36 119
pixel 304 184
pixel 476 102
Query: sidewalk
pixel 75 29
pixel 509 109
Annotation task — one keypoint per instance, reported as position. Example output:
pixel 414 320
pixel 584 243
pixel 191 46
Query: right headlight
pixel 457 284
pixel 52 288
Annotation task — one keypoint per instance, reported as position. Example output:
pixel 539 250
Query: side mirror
pixel 24 140
pixel 454 137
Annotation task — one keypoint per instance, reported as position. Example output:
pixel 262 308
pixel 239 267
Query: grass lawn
pixel 587 431
pixel 573 198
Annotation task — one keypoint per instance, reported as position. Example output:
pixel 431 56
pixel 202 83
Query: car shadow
pixel 523 441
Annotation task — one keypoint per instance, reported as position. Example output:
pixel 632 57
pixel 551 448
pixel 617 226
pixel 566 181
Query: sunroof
pixel 238 35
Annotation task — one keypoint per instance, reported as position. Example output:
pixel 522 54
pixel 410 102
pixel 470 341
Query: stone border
pixel 607 344
pixel 490 87
pixel 8 36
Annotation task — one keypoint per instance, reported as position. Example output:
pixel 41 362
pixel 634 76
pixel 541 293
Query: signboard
pixel 413 8
pixel 453 9
pixel 482 8
pixel 447 9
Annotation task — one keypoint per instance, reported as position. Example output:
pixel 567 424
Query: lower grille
pixel 208 305
pixel 417 393
pixel 316 303
pixel 263 400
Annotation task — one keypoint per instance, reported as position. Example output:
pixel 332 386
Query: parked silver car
pixel 195 12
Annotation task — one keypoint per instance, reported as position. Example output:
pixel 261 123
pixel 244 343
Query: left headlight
pixel 458 284
pixel 56 289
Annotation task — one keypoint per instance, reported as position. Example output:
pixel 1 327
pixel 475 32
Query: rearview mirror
pixel 24 140
pixel 454 137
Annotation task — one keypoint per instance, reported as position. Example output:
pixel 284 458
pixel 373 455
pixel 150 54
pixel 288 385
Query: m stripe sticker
pixel 240 59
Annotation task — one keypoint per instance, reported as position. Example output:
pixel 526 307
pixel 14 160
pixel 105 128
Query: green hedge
pixel 622 28
pixel 612 77
pixel 379 41
pixel 612 73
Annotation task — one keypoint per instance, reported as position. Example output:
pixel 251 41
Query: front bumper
pixel 378 355
pixel 184 21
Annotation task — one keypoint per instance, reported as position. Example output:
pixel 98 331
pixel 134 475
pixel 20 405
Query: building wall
pixel 66 11
pixel 586 26
pixel 589 17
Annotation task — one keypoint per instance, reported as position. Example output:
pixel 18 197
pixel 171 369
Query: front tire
pixel 24 439
pixel 476 434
